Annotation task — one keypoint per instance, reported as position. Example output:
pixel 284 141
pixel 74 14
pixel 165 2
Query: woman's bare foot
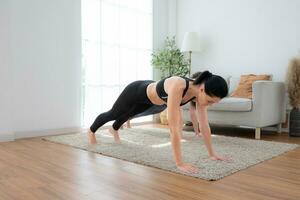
pixel 115 134
pixel 91 137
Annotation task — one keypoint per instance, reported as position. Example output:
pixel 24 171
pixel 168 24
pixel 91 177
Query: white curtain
pixel 116 50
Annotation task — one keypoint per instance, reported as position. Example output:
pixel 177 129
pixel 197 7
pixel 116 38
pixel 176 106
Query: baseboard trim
pixel 7 137
pixel 48 132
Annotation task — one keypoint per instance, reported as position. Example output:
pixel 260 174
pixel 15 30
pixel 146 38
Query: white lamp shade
pixel 190 42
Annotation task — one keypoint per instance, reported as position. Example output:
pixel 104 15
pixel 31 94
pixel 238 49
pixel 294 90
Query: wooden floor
pixel 37 169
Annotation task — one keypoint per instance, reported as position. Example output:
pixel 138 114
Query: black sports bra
pixel 164 96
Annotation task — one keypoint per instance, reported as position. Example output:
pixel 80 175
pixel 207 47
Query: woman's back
pixel 157 92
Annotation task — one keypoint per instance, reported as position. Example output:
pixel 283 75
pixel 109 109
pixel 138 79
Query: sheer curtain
pixel 116 50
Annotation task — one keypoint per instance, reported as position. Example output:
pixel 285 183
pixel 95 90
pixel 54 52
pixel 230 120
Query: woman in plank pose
pixel 150 97
pixel 192 112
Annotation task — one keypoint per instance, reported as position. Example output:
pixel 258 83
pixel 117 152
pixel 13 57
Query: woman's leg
pixel 125 102
pixel 153 109
pixel 119 122
pixel 137 109
pixel 104 118
pixel 100 121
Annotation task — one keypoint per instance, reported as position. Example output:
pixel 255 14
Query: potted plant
pixel 171 62
pixel 293 88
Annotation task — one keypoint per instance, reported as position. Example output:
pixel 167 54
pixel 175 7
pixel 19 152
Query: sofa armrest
pixel 269 102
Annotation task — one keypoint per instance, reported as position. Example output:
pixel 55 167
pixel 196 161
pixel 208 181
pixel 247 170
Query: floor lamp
pixel 190 44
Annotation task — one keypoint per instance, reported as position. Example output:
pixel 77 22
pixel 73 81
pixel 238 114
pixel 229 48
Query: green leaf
pixel 169 60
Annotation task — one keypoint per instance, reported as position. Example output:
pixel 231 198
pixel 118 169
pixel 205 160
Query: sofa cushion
pixel 244 89
pixel 233 82
pixel 232 104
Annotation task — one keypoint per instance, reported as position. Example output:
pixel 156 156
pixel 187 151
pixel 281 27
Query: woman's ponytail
pixel 202 77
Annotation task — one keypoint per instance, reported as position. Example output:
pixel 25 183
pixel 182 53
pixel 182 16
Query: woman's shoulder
pixel 176 81
pixel 179 78
pixel 174 84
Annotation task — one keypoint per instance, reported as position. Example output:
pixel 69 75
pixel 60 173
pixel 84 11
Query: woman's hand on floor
pixel 188 168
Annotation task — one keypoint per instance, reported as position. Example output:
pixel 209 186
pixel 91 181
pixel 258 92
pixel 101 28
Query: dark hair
pixel 215 86
pixel 196 74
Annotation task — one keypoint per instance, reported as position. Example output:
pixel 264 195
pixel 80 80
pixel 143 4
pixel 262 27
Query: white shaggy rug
pixel 152 147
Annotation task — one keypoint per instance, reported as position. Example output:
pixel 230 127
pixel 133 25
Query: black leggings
pixel 132 102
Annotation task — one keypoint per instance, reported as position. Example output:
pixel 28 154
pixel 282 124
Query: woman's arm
pixel 175 91
pixel 174 120
pixel 206 132
pixel 204 128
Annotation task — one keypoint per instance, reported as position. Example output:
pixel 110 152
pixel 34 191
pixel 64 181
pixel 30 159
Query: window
pixel 116 48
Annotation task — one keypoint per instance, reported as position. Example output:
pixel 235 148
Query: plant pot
pixel 164 117
pixel 294 129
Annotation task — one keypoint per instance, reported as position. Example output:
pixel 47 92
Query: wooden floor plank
pixel 37 169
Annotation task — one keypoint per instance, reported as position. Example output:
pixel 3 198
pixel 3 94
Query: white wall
pixel 40 78
pixel 242 36
pixel 164 24
pixel 45 65
pixel 5 71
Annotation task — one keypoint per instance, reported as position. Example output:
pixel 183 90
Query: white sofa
pixel 267 107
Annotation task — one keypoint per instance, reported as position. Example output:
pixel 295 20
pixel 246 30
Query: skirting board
pixel 38 133
pixel 7 137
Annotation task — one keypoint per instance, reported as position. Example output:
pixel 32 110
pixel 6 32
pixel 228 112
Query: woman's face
pixel 205 100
